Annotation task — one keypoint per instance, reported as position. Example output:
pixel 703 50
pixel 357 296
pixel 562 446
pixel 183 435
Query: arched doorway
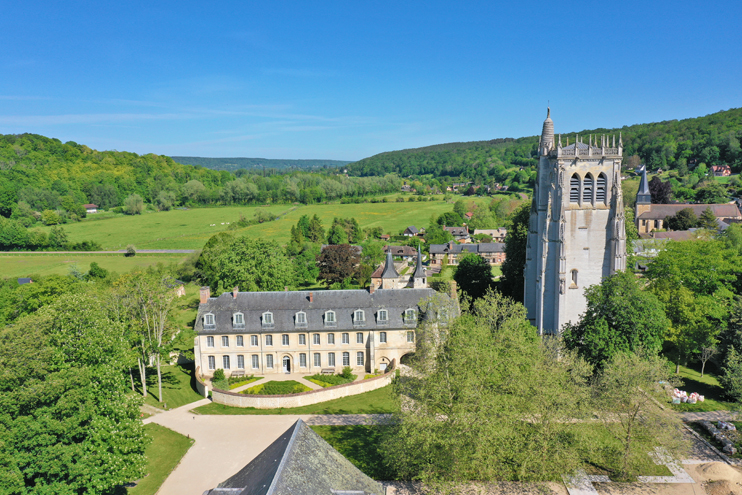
pixel 286 364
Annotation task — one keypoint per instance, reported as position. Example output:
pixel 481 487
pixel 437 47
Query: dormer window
pixel 268 319
pixel 330 320
pixel 238 320
pixel 209 322
pixel 382 317
pixel 359 317
pixel 301 319
pixel 410 316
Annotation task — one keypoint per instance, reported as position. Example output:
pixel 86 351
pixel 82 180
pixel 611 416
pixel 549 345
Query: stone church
pixel 576 233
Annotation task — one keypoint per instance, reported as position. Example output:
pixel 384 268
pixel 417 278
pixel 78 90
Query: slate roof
pixel 24 280
pixel 419 270
pixel 401 250
pixel 486 247
pixel 389 270
pixel 299 462
pixel 457 231
pixel 284 306
pixel 659 212
pixel 412 230
pixel 643 195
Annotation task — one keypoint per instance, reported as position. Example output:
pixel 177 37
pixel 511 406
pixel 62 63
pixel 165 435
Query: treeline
pixel 675 144
pixel 264 165
pixel 47 181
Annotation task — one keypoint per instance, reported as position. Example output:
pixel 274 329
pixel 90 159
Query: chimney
pixel 235 291
pixel 205 294
pixel 453 290
pixel 311 297
pixel 371 288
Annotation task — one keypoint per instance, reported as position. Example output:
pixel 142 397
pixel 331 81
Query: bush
pixel 277 388
pixel 731 376
pixel 218 375
pixel 331 380
pixel 130 251
pixel 134 205
pixel 238 379
pixel 348 373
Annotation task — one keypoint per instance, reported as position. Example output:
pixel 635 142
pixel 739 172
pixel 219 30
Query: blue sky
pixel 346 80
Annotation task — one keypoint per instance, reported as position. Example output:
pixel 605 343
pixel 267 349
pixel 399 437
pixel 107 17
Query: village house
pixel 90 208
pixel 310 331
pixel 411 231
pixel 497 235
pixel 721 170
pixel 493 252
pixel 407 253
pixel 460 234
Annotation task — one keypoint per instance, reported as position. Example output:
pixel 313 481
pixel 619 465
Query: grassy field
pixel 163 454
pixel 190 229
pixel 14 266
pixel 378 401
pixel 178 386
pixel 708 386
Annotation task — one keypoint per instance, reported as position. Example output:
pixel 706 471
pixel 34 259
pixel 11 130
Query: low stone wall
pixel 202 388
pixel 303 398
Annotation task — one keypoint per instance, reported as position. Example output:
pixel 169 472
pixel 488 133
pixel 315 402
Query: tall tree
pixel 661 192
pixel 473 275
pixel 511 282
pixel 316 230
pixel 707 220
pixel 338 263
pixel 620 317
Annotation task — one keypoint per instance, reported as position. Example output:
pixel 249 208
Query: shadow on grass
pixel 173 378
pixel 360 445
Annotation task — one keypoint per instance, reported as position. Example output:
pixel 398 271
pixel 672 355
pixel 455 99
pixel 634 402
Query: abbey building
pixel 576 232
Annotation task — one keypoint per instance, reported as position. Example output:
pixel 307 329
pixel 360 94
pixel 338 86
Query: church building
pixel 576 230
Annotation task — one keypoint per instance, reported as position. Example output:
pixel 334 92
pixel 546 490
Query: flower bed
pixel 277 388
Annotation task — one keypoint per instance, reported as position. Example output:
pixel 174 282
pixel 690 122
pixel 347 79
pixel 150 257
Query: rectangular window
pixel 410 336
pixel 284 339
pixel 254 340
pixel 331 359
pixel 240 362
pixel 225 361
pixel 240 341
pixel 212 362
pixel 330 338
pixel 383 316
pixel 317 360
pixel 315 339
pixel 209 341
pixel 346 359
pixel 382 337
pixel 225 341
pixel 269 340
pixel 269 361
pixel 302 339
pixel 359 358
pixel 346 338
pixel 359 338
pixel 303 360
pixel 255 361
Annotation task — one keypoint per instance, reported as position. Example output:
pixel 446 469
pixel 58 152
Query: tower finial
pixel 548 112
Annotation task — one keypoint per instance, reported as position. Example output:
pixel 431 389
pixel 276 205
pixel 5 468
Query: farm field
pixel 13 266
pixel 190 229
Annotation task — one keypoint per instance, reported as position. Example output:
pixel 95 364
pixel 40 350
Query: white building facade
pixel 576 230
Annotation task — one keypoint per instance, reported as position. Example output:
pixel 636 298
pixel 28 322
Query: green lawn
pixel 190 229
pixel 163 454
pixel 178 386
pixel 14 266
pixel 708 386
pixel 378 401
pixel 277 388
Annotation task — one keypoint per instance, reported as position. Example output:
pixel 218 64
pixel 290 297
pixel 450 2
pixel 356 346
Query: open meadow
pixel 26 265
pixel 190 229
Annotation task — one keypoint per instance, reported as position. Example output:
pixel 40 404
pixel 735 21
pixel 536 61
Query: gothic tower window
pixel 587 189
pixel 600 190
pixel 574 189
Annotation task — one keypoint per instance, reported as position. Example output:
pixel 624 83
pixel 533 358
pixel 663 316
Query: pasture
pixel 190 229
pixel 25 265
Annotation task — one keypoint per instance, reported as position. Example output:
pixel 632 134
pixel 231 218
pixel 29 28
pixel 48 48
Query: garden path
pixel 710 416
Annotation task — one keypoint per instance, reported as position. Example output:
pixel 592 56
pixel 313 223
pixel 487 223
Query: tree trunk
pixel 131 377
pixel 143 375
pixel 703 366
pixel 159 378
pixel 677 364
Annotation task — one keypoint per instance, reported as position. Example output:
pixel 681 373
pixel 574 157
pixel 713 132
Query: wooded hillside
pixel 258 164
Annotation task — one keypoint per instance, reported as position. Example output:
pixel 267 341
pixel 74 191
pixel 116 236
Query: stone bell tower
pixel 576 231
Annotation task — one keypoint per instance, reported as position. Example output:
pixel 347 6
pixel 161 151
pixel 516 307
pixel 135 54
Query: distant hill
pixel 233 164
pixel 673 144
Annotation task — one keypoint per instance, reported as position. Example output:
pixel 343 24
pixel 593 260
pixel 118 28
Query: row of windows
pixel 300 318
pixel 240 342
pixel 584 188
pixel 316 362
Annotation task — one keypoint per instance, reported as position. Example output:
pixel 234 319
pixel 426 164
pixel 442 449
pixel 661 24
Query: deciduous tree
pixel 338 263
pixel 511 282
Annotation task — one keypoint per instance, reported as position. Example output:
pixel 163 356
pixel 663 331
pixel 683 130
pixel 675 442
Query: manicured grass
pixel 329 380
pixel 359 444
pixel 380 401
pixel 163 454
pixel 190 229
pixel 14 266
pixel 239 384
pixel 708 386
pixel 178 386
pixel 277 388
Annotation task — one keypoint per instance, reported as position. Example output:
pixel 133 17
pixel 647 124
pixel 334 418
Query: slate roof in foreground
pixel 299 462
